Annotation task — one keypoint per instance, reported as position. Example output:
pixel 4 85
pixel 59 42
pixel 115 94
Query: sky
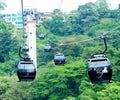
pixel 14 6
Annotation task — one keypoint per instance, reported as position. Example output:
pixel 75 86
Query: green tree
pixel 8 48
pixel 103 8
pixel 60 82
pixel 102 4
pixel 89 9
pixel 2 5
pixel 88 15
pixel 112 92
pixel 56 25
pixel 72 25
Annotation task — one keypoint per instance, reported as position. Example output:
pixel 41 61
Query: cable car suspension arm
pixel 20 52
pixel 105 43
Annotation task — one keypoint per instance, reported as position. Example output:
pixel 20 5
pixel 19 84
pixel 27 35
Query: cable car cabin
pixel 41 36
pixel 25 48
pixel 99 69
pixel 2 59
pixel 25 35
pixel 57 15
pixel 47 48
pixel 59 59
pixel 26 70
pixel 24 13
pixel 38 24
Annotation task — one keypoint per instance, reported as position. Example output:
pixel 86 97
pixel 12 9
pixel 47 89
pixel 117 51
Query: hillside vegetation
pixel 75 38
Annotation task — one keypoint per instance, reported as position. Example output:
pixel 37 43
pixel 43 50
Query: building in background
pixel 29 14
pixel 15 19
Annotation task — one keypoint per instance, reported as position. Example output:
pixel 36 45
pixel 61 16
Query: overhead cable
pixel 59 4
pixel 86 40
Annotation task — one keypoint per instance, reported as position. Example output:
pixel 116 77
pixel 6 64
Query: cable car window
pixel 99 64
pixel 26 63
pixel 28 67
pixel 21 66
pixel 98 60
pixel 59 57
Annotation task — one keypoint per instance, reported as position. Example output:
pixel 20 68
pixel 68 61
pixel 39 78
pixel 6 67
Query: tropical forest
pixel 78 35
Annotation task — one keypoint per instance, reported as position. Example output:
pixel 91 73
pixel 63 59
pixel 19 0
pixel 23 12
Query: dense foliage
pixel 2 5
pixel 68 82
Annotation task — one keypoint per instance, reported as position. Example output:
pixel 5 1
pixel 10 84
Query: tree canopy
pixel 2 5
pixel 73 35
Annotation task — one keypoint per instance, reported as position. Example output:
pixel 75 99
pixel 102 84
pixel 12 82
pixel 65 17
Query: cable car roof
pixel 26 62
pixel 98 56
pixel 59 54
